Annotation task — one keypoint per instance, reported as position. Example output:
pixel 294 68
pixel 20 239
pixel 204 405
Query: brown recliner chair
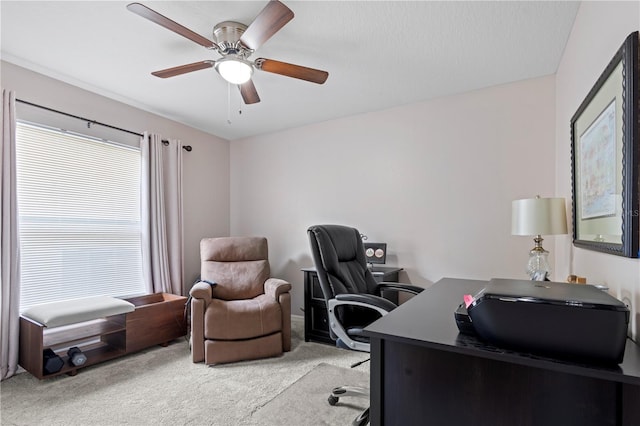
pixel 247 314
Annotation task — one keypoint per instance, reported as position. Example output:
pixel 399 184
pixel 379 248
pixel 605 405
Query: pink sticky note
pixel 468 299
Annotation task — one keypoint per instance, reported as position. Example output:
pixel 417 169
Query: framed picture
pixel 598 165
pixel 605 158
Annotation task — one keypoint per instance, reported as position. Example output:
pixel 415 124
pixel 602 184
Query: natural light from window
pixel 79 216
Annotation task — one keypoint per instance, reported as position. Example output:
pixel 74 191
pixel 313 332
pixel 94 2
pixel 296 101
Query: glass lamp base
pixel 538 266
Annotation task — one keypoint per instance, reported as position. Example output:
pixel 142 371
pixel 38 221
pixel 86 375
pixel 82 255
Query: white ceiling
pixel 379 54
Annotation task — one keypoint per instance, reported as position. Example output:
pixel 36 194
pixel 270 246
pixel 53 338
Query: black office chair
pixel 352 295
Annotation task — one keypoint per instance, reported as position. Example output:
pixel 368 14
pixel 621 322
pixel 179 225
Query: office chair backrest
pixel 339 258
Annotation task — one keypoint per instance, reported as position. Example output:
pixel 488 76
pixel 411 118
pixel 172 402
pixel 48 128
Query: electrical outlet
pixel 626 297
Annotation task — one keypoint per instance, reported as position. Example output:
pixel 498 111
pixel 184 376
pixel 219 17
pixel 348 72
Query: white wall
pixel 434 180
pixel 206 168
pixel 598 32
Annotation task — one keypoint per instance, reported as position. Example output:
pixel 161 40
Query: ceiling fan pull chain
pixel 228 103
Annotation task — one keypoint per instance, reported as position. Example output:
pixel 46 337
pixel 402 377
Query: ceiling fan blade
pixel 183 69
pixel 249 93
pixel 153 16
pixel 291 70
pixel 274 16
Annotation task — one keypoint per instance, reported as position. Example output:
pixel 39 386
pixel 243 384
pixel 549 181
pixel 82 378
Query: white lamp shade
pixel 538 216
pixel 235 71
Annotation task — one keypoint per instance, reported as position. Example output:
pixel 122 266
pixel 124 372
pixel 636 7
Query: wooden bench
pixel 101 327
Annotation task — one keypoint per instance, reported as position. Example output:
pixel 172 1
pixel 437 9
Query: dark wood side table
pixel 424 371
pixel 316 320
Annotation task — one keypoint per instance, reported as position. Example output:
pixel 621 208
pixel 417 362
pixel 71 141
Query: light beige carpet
pixel 305 401
pixel 161 386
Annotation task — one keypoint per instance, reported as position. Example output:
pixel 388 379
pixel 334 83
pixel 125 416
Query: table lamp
pixel 537 217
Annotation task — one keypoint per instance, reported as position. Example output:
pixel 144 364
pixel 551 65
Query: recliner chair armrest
pixel 275 287
pixel 201 290
pixel 398 287
pixel 368 299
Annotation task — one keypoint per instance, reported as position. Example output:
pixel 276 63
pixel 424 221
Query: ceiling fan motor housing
pixel 227 36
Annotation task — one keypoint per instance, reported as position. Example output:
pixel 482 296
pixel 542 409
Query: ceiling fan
pixel 236 42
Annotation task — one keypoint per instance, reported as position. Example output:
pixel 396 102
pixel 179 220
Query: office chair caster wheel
pixel 333 400
pixel 362 419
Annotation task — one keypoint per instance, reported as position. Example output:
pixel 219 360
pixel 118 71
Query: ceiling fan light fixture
pixel 234 70
pixel 235 42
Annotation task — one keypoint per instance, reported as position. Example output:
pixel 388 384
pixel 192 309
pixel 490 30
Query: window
pixel 79 216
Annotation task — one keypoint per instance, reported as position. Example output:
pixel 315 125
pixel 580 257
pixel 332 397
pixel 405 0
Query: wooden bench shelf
pixel 95 353
pixel 82 331
pixel 157 320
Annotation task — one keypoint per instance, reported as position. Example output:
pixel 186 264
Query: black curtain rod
pixel 187 148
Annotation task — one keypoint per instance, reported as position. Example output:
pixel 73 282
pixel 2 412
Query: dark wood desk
pixel 424 372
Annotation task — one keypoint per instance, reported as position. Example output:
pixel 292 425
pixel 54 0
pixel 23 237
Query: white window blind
pixel 79 209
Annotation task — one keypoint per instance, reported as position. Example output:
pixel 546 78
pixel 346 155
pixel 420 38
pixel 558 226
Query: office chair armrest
pixel 367 299
pixel 398 287
pixel 274 287
pixel 201 290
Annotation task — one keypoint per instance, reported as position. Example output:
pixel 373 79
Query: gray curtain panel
pixel 10 248
pixel 161 215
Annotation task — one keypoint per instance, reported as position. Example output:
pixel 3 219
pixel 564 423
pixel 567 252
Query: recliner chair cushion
pixel 233 249
pixel 236 280
pixel 240 266
pixel 242 319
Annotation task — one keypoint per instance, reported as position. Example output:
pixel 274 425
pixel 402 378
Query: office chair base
pixel 341 391
pixel 362 419
pixel 359 392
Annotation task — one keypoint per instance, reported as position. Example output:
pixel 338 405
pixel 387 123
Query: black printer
pixel 578 322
